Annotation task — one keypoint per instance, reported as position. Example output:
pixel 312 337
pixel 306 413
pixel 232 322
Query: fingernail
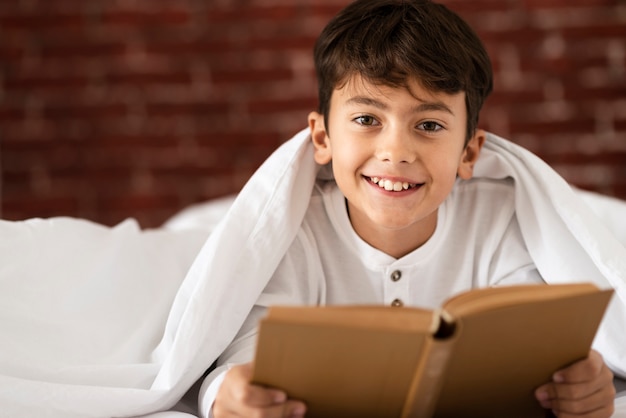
pixel 298 411
pixel 280 397
pixel 543 395
pixel 558 378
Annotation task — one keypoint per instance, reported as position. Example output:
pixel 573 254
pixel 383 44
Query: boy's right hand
pixel 237 397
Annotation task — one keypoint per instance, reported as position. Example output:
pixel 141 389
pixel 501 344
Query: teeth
pixel 390 185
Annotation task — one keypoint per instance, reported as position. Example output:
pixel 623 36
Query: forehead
pixel 357 86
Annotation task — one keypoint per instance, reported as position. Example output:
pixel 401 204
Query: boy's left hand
pixel 584 389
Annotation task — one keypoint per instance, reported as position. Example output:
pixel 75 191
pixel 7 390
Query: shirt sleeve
pixel 208 391
pixel 296 281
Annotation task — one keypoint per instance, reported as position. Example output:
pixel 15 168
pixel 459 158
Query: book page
pixel 493 297
pixel 369 316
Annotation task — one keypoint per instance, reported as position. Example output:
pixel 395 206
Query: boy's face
pixel 396 154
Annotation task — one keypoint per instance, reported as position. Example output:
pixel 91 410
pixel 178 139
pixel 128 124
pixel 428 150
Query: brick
pixel 251 76
pixel 44 207
pixel 138 17
pixel 552 127
pixel 247 14
pixel 277 106
pixel 596 21
pixel 143 79
pixel 603 28
pixel 83 49
pixel 21 83
pixel 67 111
pixel 464 7
pixel 567 4
pixel 42 21
pixel 10 113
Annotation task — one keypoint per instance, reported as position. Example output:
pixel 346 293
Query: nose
pixel 395 146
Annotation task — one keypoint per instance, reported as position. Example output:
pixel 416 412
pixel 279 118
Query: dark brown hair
pixel 389 41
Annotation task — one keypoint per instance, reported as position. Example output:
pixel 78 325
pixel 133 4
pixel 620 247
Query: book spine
pixel 428 380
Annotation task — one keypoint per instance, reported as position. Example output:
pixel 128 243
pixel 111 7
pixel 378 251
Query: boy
pixel 401 221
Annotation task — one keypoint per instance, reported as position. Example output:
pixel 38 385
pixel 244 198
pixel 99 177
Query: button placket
pixel 395 288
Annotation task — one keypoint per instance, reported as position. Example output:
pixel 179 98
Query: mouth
pixel 392 186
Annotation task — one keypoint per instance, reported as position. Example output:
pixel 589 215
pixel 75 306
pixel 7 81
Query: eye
pixel 366 120
pixel 430 126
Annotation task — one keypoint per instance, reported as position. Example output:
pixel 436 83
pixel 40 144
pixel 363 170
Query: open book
pixel 481 355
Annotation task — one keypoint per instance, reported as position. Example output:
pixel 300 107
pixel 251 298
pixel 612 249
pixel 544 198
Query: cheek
pixel 347 165
pixel 343 164
pixel 349 153
pixel 444 163
pixel 443 173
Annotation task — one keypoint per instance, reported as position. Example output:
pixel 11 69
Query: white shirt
pixel 477 243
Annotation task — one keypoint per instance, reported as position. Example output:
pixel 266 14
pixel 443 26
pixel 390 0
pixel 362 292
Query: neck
pixel 398 242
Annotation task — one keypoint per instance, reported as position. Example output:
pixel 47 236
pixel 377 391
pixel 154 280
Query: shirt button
pixel 397 303
pixel 396 275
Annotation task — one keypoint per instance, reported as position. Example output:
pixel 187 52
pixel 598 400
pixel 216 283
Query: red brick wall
pixel 111 109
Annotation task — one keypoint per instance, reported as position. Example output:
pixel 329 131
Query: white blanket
pixel 104 322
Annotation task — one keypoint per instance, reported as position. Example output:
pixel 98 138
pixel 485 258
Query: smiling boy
pixel 401 221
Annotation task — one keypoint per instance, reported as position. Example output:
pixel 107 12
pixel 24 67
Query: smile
pixel 395 186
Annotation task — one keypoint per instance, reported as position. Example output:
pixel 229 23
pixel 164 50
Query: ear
pixel 320 138
pixel 471 154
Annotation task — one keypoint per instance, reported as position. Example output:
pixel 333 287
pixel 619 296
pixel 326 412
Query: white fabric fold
pixel 565 238
pixel 177 316
pixel 82 307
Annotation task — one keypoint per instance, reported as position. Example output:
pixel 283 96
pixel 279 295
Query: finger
pixel 604 412
pixel 294 409
pixel 226 410
pixel 582 370
pixel 240 389
pixel 596 404
pixel 581 390
pixel 259 396
pixel 579 398
pixel 288 409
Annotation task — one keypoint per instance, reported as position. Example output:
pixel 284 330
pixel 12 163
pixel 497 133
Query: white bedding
pixel 82 308
pixel 103 322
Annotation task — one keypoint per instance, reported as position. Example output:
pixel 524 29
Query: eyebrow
pixel 424 106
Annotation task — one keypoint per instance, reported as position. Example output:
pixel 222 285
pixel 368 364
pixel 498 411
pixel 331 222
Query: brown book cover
pixel 482 354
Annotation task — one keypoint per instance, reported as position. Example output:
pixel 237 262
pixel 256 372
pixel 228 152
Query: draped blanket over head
pixel 108 322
